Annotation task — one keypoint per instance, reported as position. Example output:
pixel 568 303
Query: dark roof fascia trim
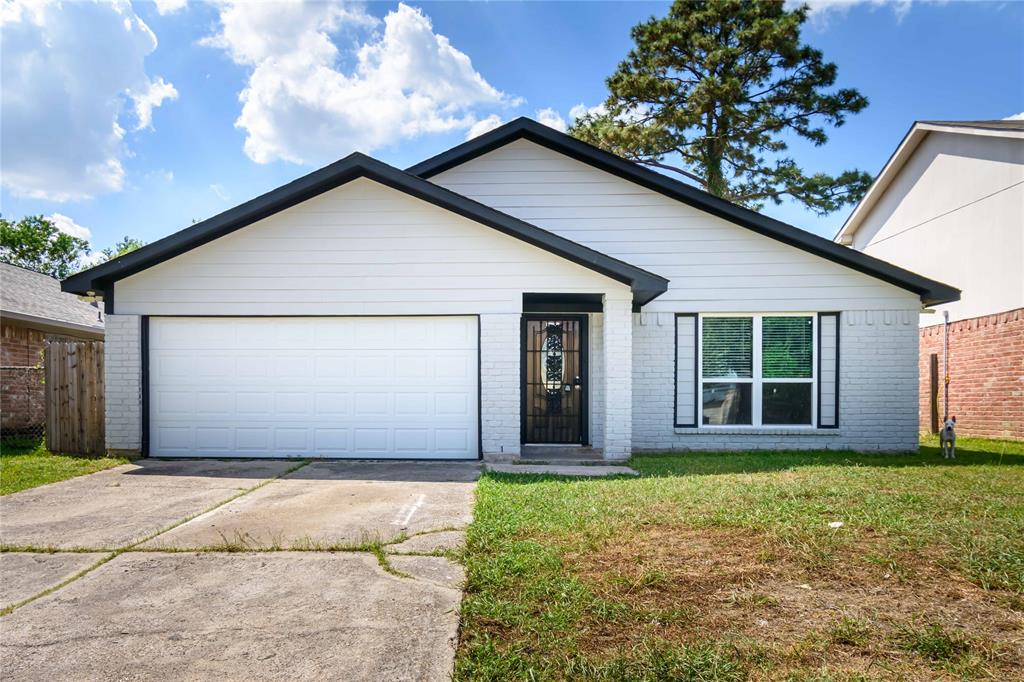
pixel 930 291
pixel 646 285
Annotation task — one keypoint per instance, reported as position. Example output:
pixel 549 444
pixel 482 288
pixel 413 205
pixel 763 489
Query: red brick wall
pixel 22 395
pixel 20 346
pixel 23 404
pixel 986 374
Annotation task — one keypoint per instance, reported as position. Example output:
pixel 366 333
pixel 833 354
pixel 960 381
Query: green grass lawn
pixel 734 567
pixel 27 464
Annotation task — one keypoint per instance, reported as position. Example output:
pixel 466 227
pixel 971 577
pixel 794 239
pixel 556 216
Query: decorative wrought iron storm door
pixel 554 379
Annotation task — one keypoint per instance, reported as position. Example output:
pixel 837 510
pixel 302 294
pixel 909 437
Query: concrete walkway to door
pixel 256 570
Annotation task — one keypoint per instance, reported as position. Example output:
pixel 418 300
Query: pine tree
pixel 712 90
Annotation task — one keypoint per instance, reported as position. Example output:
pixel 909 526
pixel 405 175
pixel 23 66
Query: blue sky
pixel 129 121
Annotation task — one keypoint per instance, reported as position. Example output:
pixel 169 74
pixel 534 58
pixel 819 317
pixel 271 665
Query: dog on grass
pixel 947 439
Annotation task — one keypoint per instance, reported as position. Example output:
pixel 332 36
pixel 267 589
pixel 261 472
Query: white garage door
pixel 400 387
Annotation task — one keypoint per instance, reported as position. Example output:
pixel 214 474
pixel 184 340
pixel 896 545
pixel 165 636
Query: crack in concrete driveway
pixel 159 610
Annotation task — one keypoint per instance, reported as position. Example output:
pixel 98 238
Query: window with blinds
pixel 787 347
pixel 728 347
pixel 757 370
pixel 787 359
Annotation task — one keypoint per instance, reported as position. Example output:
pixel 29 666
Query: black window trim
pixel 675 377
pixel 835 416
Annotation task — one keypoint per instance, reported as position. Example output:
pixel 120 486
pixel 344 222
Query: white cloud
pixel 581 110
pixel 170 6
pixel 631 116
pixel 300 105
pixel 552 119
pixel 68 70
pixel 484 125
pixel 69 226
pixel 822 11
pixel 150 98
pixel 91 259
pixel 219 190
pixel 1015 117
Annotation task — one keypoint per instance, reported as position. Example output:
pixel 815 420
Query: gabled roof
pixel 36 299
pixel 645 285
pixel 930 291
pixel 1010 128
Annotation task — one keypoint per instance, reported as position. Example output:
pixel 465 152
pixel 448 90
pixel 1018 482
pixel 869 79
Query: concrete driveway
pixel 255 570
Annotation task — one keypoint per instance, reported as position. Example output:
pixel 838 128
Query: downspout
pixel 945 364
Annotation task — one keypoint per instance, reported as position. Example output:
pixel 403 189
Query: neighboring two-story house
pixel 949 204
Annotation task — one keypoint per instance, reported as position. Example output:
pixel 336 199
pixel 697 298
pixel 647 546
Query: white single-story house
pixel 521 289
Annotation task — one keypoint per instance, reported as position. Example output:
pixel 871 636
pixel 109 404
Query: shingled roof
pixel 36 300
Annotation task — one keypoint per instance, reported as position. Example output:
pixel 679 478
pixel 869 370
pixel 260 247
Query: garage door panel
pixel 215 438
pixel 322 387
pixel 333 404
pixel 332 441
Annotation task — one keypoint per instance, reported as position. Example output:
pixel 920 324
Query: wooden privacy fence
pixel 74 397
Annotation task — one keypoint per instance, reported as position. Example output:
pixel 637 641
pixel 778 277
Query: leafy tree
pixel 126 245
pixel 718 85
pixel 35 243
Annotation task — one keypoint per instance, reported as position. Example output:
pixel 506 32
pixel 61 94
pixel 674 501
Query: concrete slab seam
pixel 121 550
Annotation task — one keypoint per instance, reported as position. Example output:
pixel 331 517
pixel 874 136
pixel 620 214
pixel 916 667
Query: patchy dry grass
pixel 725 567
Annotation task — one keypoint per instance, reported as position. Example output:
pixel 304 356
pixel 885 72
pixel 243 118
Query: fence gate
pixel 74 397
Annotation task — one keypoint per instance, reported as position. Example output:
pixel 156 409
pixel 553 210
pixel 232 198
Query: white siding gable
pixel 360 249
pixel 712 264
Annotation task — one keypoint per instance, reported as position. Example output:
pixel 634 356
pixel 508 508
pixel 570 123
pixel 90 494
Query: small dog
pixel 947 439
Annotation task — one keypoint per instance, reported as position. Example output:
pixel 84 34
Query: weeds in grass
pixel 752 599
pixel 644 580
pixel 849 631
pixel 933 642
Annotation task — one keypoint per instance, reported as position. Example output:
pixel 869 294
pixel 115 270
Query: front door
pixel 554 349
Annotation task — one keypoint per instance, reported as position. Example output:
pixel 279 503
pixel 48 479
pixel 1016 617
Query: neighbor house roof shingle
pixel 31 297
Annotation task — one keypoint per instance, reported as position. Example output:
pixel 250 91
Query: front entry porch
pixel 572 380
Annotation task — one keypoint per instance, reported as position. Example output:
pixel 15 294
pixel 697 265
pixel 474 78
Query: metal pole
pixel 945 364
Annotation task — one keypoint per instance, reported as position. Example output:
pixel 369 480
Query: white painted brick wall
pixel 595 385
pixel 877 390
pixel 653 381
pixel 618 378
pixel 499 383
pixel 123 382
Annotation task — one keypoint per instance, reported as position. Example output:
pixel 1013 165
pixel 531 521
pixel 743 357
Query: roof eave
pixel 53 326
